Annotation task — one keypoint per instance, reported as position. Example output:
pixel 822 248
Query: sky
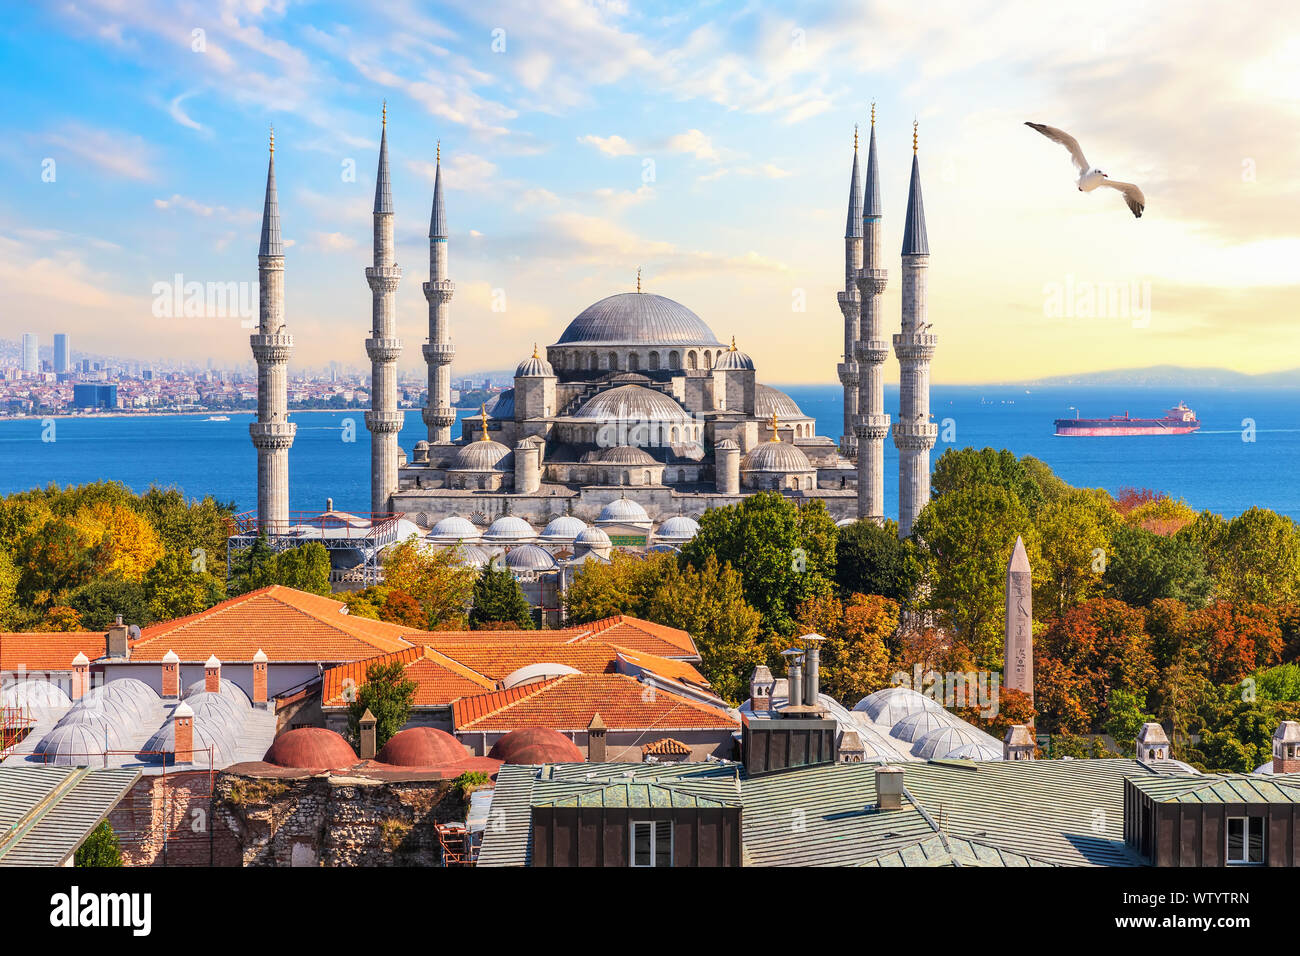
pixel 707 144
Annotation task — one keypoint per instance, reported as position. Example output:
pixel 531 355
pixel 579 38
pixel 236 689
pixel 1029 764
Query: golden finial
pixel 873 112
pixel 438 154
pixel 272 139
pixel 733 344
pixel 483 419
pixel 776 435
pixel 535 355
pixel 638 278
pixel 914 136
pixel 855 137
pixel 385 114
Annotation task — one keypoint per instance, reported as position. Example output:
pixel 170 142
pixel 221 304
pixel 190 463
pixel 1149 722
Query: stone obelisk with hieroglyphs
pixel 1018 666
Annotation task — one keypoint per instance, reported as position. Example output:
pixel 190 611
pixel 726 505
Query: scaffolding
pixel 365 534
pixel 15 724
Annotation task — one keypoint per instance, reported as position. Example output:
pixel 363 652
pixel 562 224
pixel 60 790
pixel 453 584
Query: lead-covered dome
pixel 509 529
pixel 564 528
pixel 776 456
pixel 452 529
pixel 479 456
pixel 535 367
pixel 529 557
pixel 769 400
pixel 637 318
pixel 622 509
pixel 733 360
pixel 678 528
pixel 625 455
pixel 633 403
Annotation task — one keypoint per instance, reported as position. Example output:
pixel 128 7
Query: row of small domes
pixel 510 529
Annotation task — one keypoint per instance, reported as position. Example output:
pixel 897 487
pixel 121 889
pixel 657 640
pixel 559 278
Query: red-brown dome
pixel 422 747
pixel 536 745
pixel 311 748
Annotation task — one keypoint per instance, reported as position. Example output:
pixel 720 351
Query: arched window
pixel 673 434
pixel 613 361
pixel 654 360
pixel 595 362
pixel 645 478
pixel 482 483
pixel 681 476
pixel 674 360
pixel 559 360
pixel 633 361
pixel 691 360
pixel 708 362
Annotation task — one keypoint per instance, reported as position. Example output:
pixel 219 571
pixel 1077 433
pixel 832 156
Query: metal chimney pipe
pixel 794 663
pixel 812 682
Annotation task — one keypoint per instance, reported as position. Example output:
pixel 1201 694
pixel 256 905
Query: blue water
pixel 1213 468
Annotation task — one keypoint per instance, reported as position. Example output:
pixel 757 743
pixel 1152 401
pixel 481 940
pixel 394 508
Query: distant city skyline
pixel 711 148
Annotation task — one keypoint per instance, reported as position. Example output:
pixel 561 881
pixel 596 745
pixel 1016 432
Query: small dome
pixel 726 445
pixel 564 528
pixel 422 747
pixel 509 529
pixel 529 557
pixel 678 528
pixel 940 743
pixel 34 695
pixel 479 456
pixel 594 538
pixel 311 748
pixel 976 751
pixel 535 745
pixel 76 744
pixel 121 713
pixel 634 404
pixel 530 673
pixel 769 401
pixel 535 367
pixel 204 735
pixel 733 360
pixel 775 456
pixel 472 556
pixel 453 529
pixel 637 318
pixel 622 510
pixel 915 726
pixel 228 688
pixel 625 455
pixel 111 731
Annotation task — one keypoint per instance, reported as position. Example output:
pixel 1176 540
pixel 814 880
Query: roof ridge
pixel 429 653
pixel 524 695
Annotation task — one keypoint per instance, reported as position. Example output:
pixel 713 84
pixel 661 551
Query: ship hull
pixel 1070 429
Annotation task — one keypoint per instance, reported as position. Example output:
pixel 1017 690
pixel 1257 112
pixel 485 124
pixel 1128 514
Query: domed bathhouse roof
pixel 311 748
pixel 509 529
pixel 888 706
pixel 124 714
pixel 143 698
pixel 34 695
pixel 227 688
pixel 734 360
pixel 637 318
pixel 678 528
pixel 422 747
pixel 205 734
pixel 976 751
pixel 622 510
pixel 534 367
pixel 113 730
pixel 634 404
pixel 941 742
pixel 529 557
pixel 535 745
pixel 453 529
pixel 625 455
pixel 916 725
pixel 73 745
pixel 563 529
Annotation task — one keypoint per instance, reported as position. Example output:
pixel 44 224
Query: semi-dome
pixel 535 745
pixel 622 510
pixel 564 528
pixel 226 688
pixel 678 528
pixel 509 529
pixel 775 456
pixel 311 748
pixel 422 747
pixel 34 695
pixel 916 725
pixel 74 744
pixel 479 455
pixel 733 360
pixel 535 367
pixel 594 538
pixel 632 403
pixel 625 455
pixel 769 401
pixel 529 557
pixel 453 529
pixel 637 318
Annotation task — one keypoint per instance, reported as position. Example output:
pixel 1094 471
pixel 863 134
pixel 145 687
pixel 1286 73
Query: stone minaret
pixel 272 433
pixel 438 352
pixel 1018 649
pixel 871 350
pixel 383 346
pixel 914 434
pixel 848 369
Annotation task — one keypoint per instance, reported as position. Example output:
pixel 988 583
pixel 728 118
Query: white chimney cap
pixel 170 657
pixel 183 710
pixel 260 656
pixel 212 662
pixel 80 659
pixel 812 637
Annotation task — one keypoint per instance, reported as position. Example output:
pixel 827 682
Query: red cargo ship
pixel 1179 420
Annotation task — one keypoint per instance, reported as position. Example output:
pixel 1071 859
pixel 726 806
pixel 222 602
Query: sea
pixel 1247 452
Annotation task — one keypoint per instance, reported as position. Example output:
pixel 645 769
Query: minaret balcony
pixel 272 435
pixel 915 435
pixel 383 278
pixel 871 427
pixel 872 281
pixel 915 346
pixel 848 373
pixel 871 352
pixel 384 423
pixel 384 350
pixel 440 417
pixel 273 348
pixel 438 353
pixel 439 290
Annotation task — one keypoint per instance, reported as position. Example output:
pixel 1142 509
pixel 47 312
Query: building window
pixel 613 361
pixel 652 843
pixel 633 361
pixel 654 360
pixel 1245 841
pixel 674 360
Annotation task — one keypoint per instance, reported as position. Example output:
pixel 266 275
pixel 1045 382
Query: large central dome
pixel 637 318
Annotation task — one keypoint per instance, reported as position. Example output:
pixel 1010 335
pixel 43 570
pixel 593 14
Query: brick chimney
pixel 212 675
pixel 889 787
pixel 259 677
pixel 115 641
pixel 1286 747
pixel 80 676
pixel 171 676
pixel 183 742
pixel 760 689
pixel 596 740
pixel 368 723
pixel 1019 743
pixel 1152 744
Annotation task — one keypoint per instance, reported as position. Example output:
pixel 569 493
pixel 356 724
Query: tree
pixel 870 559
pixel 1161 515
pixel 1074 533
pixel 8 592
pixel 434 577
pixel 190 526
pixel 174 589
pixel 1260 559
pixel 709 604
pixel 100 601
pixel 785 553
pixel 1235 640
pixel 855 658
pixel 499 599
pixel 961 469
pixel 1143 567
pixel 623 586
pixel 51 562
pixel 1125 715
pixel 61 618
pixel 389 695
pixel 100 849
pixel 124 543
pixel 306 568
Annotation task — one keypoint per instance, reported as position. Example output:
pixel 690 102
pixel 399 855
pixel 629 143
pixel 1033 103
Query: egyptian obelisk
pixel 1018 669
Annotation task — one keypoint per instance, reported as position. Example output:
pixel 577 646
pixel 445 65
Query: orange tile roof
pixel 630 632
pixel 666 747
pixel 289 625
pixel 43 651
pixel 439 679
pixel 568 703
pixel 663 666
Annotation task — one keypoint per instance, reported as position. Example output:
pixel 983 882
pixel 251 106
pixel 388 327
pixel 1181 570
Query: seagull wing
pixel 1066 140
pixel 1132 195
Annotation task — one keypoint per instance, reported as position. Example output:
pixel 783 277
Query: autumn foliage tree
pixel 855 659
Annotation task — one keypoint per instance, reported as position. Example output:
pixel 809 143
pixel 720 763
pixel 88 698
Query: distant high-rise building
pixel 62 356
pixel 31 353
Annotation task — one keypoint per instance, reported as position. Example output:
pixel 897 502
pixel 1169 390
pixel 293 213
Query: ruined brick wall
pixel 167 820
pixel 333 821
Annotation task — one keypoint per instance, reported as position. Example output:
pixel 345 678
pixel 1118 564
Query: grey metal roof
pixel 1234 788
pixel 915 242
pixel 941 850
pixel 271 245
pixel 853 228
pixel 871 207
pixel 47 812
pixel 503 406
pixel 637 318
pixel 529 557
pixel 383 191
pixel 438 217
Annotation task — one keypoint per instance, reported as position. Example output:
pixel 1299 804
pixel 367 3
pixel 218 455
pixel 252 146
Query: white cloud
pixel 609 145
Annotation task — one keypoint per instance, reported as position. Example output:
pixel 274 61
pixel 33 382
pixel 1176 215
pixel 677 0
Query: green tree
pixel 100 849
pixel 623 586
pixel 389 695
pixel 98 602
pixel 435 577
pixel 8 592
pixel 1074 532
pixel 52 561
pixel 498 598
pixel 1125 715
pixel 961 469
pixel 870 559
pixel 1260 559
pixel 174 589
pixel 306 568
pixel 1143 567
pixel 785 553
pixel 201 525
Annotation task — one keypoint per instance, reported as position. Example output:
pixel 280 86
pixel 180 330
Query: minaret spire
pixel 871 424
pixel 272 434
pixel 849 307
pixel 914 433
pixel 438 414
pixel 383 346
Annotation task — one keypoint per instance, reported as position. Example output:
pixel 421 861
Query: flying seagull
pixel 1090 177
